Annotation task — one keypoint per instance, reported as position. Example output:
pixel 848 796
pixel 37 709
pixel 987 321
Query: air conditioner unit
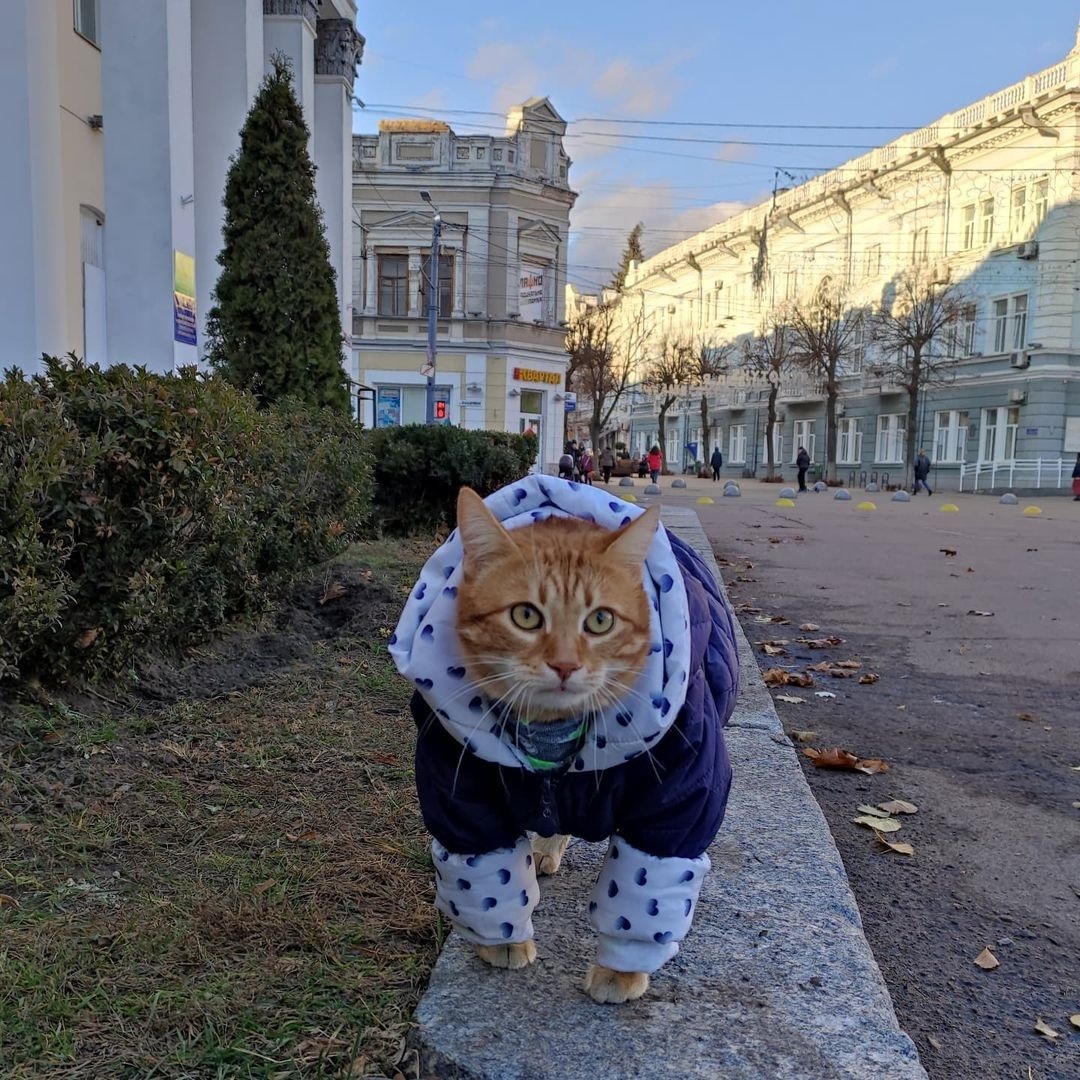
pixel 1017 396
pixel 940 273
pixel 1019 359
pixel 1029 250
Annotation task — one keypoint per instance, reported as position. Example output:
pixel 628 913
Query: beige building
pixel 505 207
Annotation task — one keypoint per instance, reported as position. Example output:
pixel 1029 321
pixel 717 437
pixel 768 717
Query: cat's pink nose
pixel 565 668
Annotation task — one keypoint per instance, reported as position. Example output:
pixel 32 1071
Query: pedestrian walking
pixel 922 473
pixel 656 464
pixel 717 463
pixel 607 463
pixel 587 465
pixel 643 466
pixel 802 463
pixel 566 467
pixel 1076 479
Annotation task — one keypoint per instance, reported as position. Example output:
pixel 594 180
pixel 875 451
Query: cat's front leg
pixel 515 955
pixel 610 987
pixel 548 852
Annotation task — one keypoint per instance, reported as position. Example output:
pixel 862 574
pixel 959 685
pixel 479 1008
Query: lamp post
pixel 433 309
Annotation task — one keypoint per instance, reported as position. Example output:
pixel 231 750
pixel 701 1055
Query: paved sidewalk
pixel 775 982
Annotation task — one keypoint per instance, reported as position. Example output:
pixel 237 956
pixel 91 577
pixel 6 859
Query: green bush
pixel 138 509
pixel 419 471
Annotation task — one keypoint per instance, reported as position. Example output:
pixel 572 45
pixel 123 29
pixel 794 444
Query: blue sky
pixel 884 68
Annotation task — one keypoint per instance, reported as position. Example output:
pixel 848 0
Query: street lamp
pixel 433 300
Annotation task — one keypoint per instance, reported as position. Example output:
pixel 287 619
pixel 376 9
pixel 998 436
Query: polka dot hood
pixel 426 650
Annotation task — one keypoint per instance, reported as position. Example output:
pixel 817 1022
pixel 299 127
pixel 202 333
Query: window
pixel 968 218
pixel 1010 322
pixel 920 245
pixel 950 436
pixel 890 438
pixel 1040 202
pixel 393 284
pixel 531 401
pixel 961 339
pixel 872 261
pixel 446 284
pixel 737 444
pixel 997 441
pixel 396 405
pixel 849 441
pixel 804 436
pixel 778 444
pixel 987 221
pixel 92 252
pixel 86 20
pixel 1018 212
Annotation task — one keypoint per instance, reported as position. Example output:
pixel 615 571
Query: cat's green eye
pixel 526 617
pixel 600 621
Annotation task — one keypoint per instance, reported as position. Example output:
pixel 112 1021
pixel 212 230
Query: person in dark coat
pixel 922 473
pixel 1076 480
pixel 652 778
pixel 802 463
pixel 607 463
pixel 717 463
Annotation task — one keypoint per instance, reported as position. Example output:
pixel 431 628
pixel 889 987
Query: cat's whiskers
pixel 510 695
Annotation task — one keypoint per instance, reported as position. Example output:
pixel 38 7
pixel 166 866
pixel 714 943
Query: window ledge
pixel 89 41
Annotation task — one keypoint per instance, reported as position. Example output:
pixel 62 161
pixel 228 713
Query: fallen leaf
pixel 262 887
pixel 87 638
pixel 809 627
pixel 303 837
pixel 987 960
pixel 1046 1031
pixel 824 694
pixel 843 669
pixel 852 664
pixel 789 699
pixel 898 806
pixel 970 570
pixel 881 824
pixel 935 1043
pixel 332 592
pixel 8 901
pixel 775 540
pixel 868 679
pixel 1076 805
pixel 901 847
pixel 948 552
pixel 901 708
pixel 802 736
pixel 831 759
pixel 769 649
pixel 21 826
pixel 874 811
pixel 780 619
pixel 779 677
pixel 985 614
pixel 1075 1020
pixel 1032 549
pixel 822 643
pixel 1026 716
pixel 872 766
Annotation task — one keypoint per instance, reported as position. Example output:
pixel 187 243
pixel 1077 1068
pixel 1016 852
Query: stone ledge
pixel 775 982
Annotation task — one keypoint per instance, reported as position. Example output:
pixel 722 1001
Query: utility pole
pixel 433 306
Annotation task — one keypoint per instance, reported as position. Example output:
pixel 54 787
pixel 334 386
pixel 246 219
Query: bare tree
pixel 824 333
pixel 675 364
pixel 713 363
pixel 603 352
pixel 770 355
pixel 916 329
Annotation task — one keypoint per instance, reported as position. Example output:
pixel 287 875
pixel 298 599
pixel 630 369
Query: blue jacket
pixel 669 802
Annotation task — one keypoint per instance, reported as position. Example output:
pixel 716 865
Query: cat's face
pixel 553 618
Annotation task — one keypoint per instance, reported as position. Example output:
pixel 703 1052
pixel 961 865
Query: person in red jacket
pixel 656 464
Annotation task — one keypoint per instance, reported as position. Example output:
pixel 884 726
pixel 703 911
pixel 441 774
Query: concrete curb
pixel 775 982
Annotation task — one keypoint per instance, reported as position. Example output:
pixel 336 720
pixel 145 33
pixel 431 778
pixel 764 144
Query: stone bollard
pixel 1008 499
pixel 821 486
pixel 900 496
pixel 787 493
pixel 732 492
pixel 871 487
pixel 652 489
pixel 626 482
pixel 678 482
pixel 842 495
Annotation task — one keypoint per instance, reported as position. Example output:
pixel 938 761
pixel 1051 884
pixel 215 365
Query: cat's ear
pixel 632 542
pixel 482 536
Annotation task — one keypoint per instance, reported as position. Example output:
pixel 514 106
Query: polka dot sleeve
pixel 489 898
pixel 642 906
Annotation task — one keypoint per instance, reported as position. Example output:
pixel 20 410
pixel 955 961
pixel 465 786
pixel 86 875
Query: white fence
pixel 1022 472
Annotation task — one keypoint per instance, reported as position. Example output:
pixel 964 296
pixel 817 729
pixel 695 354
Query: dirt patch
pixel 223 870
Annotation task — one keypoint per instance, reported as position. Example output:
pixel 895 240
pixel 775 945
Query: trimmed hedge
pixel 419 471
pixel 143 510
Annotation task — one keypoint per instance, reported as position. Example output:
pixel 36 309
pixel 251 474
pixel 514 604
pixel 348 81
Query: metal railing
pixel 1030 472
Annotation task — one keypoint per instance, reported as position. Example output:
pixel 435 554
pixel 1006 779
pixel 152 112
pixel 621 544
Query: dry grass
pixel 231 888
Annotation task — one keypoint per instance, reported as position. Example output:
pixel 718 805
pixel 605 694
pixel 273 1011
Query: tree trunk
pixel 832 395
pixel 594 435
pixel 661 426
pixel 706 431
pixel 770 443
pixel 911 434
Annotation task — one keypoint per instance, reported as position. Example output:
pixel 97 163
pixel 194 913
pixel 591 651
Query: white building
pixel 119 120
pixel 987 198
pixel 505 205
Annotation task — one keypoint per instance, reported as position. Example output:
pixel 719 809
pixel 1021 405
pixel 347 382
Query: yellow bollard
pixel 629 498
pixel 866 506
pixel 789 503
pixel 949 508
pixel 705 501
pixel 1032 511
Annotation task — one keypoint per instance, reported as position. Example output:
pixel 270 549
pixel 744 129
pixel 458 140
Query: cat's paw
pixel 610 987
pixel 515 955
pixel 548 852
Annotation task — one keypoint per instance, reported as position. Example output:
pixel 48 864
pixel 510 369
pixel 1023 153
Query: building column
pixel 226 69
pixel 371 281
pixel 459 285
pixel 289 28
pixel 416 283
pixel 338 49
pixel 149 176
pixel 34 266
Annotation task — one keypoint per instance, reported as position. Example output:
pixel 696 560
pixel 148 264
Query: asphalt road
pixel 976 715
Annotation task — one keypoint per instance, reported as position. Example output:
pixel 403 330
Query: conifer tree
pixel 631 253
pixel 275 327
